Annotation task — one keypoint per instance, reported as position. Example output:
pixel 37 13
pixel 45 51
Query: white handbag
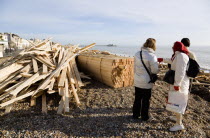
pixel 177 101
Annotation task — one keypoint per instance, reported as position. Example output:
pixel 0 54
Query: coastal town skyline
pixel 119 22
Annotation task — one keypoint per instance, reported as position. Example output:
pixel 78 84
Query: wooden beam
pixel 25 84
pixel 52 83
pixel 35 65
pixel 14 86
pixel 75 94
pixel 46 62
pixel 44 103
pixel 45 71
pixel 61 105
pixel 9 81
pixel 15 99
pixel 66 109
pixel 51 91
pixel 70 75
pixel 9 107
pixel 26 75
pixel 61 91
pixel 7 71
pixel 33 101
pixel 62 77
pixel 77 73
pixel 74 74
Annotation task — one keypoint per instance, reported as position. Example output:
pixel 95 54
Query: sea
pixel 202 52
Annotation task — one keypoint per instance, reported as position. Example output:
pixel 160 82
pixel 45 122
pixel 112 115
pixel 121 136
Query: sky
pixel 121 22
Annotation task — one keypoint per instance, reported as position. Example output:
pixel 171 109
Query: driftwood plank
pixel 61 105
pixel 75 94
pixel 70 75
pixel 66 109
pixel 10 80
pixel 27 68
pixel 25 84
pixel 62 77
pixel 45 71
pixel 61 91
pixel 44 103
pixel 52 83
pixel 77 73
pixel 9 107
pixel 33 101
pixel 51 91
pixel 40 44
pixel 73 73
pixel 7 71
pixel 14 86
pixel 61 54
pixel 46 62
pixel 16 99
pixel 26 75
pixel 35 65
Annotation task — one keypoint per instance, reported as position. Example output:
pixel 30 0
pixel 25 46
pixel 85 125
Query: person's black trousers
pixel 141 103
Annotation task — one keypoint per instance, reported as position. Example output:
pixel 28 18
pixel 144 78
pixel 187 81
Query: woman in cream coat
pixel 179 63
pixel 143 87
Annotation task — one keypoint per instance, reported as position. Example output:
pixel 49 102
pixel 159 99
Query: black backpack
pixel 193 68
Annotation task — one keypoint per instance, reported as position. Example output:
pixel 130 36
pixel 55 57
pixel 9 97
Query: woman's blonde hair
pixel 150 43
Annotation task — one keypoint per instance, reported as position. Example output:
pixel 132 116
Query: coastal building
pixel 10 43
pixel 3 44
pixel 16 41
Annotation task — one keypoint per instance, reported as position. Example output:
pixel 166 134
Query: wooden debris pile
pixel 114 71
pixel 44 68
pixel 203 78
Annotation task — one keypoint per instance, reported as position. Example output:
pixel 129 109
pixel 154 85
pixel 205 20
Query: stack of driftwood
pixel 203 78
pixel 112 70
pixel 44 68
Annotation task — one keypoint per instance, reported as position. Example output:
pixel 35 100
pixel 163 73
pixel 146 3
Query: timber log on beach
pixel 114 71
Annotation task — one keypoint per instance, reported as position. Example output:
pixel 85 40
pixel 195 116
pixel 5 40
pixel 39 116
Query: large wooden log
pixel 114 71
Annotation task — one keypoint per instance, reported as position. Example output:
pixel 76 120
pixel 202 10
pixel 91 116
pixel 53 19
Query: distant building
pixel 4 40
pixel 17 42
pixel 3 44
pixel 11 42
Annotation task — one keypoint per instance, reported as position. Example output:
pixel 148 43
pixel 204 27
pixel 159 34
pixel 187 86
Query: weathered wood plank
pixel 25 84
pixel 75 94
pixel 66 109
pixel 35 65
pixel 61 105
pixel 45 70
pixel 77 73
pixel 7 71
pixel 16 99
pixel 9 107
pixel 62 77
pixel 44 103
pixel 52 83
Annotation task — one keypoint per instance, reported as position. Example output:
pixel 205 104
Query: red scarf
pixel 178 46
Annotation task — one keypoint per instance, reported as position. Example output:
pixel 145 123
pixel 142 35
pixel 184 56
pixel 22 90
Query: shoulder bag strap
pixel 145 65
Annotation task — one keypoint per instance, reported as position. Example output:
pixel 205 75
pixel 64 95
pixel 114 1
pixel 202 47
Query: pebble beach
pixel 106 112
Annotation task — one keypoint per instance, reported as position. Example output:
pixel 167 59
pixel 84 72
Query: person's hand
pixel 176 88
pixel 160 59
